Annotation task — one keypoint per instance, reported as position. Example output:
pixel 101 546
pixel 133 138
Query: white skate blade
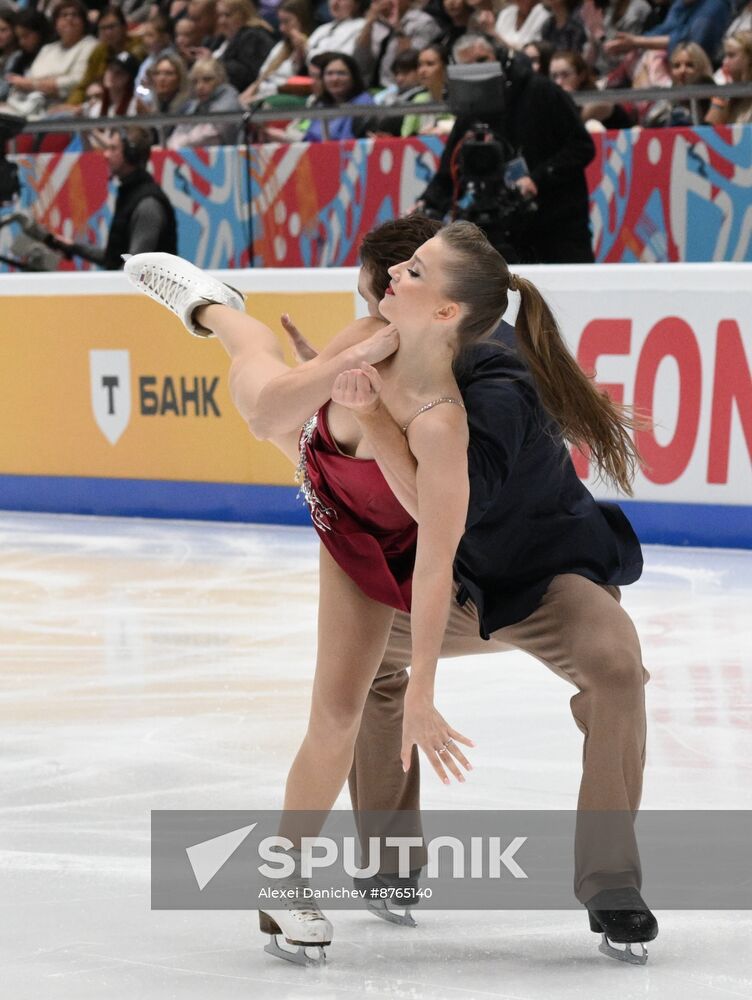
pixel 380 908
pixel 298 957
pixel 623 954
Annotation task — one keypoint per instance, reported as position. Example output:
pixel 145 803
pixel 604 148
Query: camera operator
pixel 144 220
pixel 527 161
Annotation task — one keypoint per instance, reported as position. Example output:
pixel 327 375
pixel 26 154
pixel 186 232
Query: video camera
pixel 487 189
pixel 486 173
pixel 34 248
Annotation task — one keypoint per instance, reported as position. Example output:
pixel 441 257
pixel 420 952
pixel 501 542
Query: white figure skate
pixel 180 286
pixel 300 922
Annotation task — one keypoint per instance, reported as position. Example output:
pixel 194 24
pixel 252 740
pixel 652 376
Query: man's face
pixel 365 290
pixel 113 154
pixel 405 79
pixel 203 17
pixel 111 33
pixel 480 53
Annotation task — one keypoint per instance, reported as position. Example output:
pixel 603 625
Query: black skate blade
pixel 623 954
pixel 379 908
pixel 298 957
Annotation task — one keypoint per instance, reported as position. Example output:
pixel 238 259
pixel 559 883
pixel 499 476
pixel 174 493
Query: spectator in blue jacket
pixel 701 21
pixel 342 84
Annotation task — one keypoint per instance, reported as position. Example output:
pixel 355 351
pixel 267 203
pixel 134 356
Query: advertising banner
pixel 110 406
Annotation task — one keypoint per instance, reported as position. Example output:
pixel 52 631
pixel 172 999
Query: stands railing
pixel 259 115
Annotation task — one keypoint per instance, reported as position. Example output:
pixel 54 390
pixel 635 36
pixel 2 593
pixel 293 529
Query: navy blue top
pixel 530 517
pixel 701 21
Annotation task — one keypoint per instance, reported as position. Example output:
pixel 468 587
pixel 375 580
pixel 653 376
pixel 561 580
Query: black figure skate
pixel 621 916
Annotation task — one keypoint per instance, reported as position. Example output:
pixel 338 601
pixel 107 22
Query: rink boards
pixel 109 407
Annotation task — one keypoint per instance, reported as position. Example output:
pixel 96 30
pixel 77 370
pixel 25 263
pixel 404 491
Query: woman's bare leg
pixel 352 636
pixel 255 359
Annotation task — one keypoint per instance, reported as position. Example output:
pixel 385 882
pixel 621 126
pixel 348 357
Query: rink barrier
pixel 109 407
pixel 697 525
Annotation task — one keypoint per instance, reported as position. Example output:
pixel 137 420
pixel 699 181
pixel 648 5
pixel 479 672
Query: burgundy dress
pixel 364 527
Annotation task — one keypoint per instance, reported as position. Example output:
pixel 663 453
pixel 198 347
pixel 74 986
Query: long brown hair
pixel 478 278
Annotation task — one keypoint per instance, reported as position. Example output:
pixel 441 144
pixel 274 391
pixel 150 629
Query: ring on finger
pixel 442 750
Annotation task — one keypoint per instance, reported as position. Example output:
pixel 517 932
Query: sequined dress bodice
pixel 366 530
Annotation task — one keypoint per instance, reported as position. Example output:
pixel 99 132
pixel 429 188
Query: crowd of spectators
pixel 194 56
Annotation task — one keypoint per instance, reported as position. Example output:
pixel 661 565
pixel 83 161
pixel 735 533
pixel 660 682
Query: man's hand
pixel 200 52
pixel 297 39
pixel 380 10
pixel 424 726
pixel 359 389
pixel 527 187
pixel 301 348
pixel 485 21
pixel 621 43
pixel 377 347
pixel 24 83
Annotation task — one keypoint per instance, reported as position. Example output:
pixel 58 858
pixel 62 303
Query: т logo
pixel 158 396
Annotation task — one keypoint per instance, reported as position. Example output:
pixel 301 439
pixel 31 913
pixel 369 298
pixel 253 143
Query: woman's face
pixel 338 81
pixel 69 26
pixel 317 84
pixel 430 69
pixel 95 91
pixel 154 40
pixel 115 79
pixel 229 22
pixel 415 292
pixel 563 73
pixel 165 79
pixel 186 36
pixel 342 9
pixel 683 69
pixel 7 36
pixel 287 22
pixel 28 41
pixel 204 84
pixel 455 10
pixel 735 63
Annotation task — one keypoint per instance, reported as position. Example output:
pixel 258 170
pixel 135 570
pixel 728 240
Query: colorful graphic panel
pixel 656 195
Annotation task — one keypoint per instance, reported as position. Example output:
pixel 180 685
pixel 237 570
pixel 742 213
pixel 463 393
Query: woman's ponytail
pixel 478 277
pixel 587 417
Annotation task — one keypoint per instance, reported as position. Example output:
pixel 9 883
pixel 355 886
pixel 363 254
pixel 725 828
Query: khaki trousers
pixel 581 632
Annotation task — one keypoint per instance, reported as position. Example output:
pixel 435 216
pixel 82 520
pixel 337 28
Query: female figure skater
pixel 375 558
pixel 379 561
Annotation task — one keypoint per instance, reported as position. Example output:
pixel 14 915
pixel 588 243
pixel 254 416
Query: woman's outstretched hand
pixel 359 389
pixel 424 726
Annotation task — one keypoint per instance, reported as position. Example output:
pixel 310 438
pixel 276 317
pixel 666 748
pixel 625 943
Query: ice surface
pixel 157 665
